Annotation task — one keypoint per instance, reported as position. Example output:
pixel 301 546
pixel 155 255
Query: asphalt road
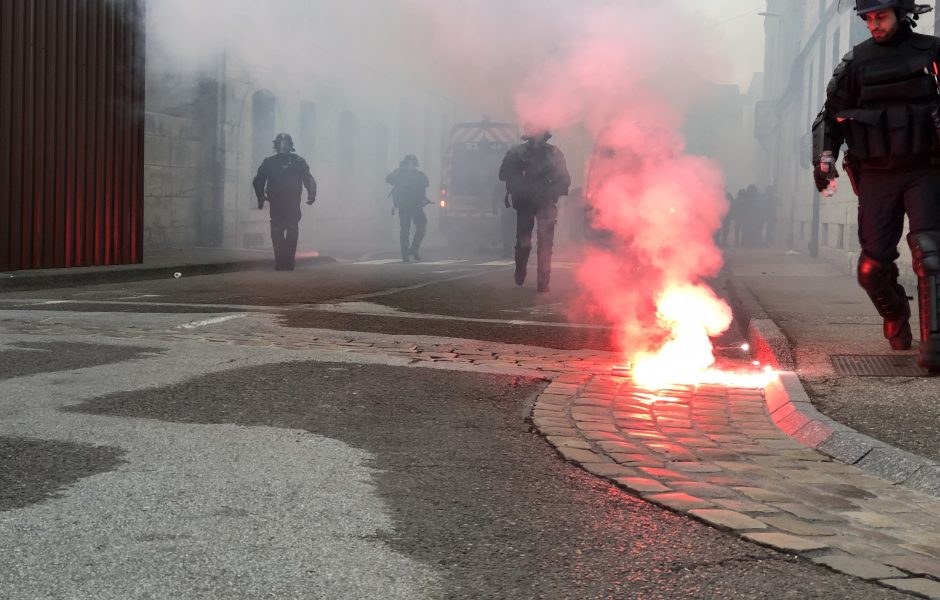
pixel 138 460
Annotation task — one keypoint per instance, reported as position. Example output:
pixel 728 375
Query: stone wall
pixel 173 163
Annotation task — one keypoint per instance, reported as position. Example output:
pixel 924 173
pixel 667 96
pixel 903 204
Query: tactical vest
pixel 898 97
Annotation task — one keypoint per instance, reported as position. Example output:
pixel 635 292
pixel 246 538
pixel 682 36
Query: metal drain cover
pixel 896 365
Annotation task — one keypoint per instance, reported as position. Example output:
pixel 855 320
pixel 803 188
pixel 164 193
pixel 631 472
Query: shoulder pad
pixel 848 58
pixel 839 73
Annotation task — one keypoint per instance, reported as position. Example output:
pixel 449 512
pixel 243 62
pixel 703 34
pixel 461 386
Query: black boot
pixel 880 281
pixel 925 251
pixel 928 293
pixel 522 260
pixel 544 265
pixel 543 282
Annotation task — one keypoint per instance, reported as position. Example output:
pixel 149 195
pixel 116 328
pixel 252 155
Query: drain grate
pixel 897 365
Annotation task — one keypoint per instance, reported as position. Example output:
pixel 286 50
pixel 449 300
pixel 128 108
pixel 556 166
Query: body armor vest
pixel 897 102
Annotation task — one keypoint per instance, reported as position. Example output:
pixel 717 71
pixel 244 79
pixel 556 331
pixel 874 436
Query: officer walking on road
pixel 279 181
pixel 883 103
pixel 536 176
pixel 409 197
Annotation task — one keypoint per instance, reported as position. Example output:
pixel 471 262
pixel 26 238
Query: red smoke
pixel 626 76
pixel 659 206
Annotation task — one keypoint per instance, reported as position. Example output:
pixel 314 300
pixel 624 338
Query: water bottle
pixel 826 165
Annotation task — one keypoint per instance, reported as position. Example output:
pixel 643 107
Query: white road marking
pixel 47 302
pixel 498 263
pixel 138 297
pixel 384 261
pixel 212 321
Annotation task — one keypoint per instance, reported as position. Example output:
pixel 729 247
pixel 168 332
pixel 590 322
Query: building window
pixel 836 48
pixel 346 152
pixel 407 136
pixel 381 161
pixel 263 124
pixel 308 130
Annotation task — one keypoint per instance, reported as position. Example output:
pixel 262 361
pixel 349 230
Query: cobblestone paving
pixel 711 452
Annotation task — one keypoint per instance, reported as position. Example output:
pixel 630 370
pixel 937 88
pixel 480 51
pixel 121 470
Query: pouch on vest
pixel 898 120
pixel 864 131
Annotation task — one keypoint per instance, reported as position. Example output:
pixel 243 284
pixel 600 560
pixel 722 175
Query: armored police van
pixel 472 212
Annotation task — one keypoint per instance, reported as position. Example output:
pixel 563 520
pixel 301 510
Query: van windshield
pixel 475 167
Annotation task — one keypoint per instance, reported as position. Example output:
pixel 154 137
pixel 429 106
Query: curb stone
pixel 846 532
pixel 793 411
pixel 81 276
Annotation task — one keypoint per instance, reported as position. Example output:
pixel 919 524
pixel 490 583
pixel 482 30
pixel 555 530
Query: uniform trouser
pixel 507 225
pixel 544 216
pixel 284 239
pixel 407 215
pixel 884 198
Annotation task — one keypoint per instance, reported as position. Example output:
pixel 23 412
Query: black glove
pixel 311 200
pixel 823 179
pixel 260 203
pixel 506 201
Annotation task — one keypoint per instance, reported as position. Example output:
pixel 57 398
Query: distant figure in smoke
pixel 769 203
pixel 750 217
pixel 726 221
pixel 536 176
pixel 279 181
pixel 409 197
pixel 883 103
pixel 739 209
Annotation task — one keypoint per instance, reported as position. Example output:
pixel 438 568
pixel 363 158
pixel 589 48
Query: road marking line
pixel 138 297
pixel 384 261
pixel 212 321
pixel 498 263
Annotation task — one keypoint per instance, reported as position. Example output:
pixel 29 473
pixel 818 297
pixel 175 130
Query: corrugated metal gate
pixel 71 133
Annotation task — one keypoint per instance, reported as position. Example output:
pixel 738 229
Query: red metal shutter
pixel 71 133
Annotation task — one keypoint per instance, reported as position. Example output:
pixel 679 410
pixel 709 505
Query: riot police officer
pixel 536 176
pixel 883 103
pixel 279 181
pixel 409 197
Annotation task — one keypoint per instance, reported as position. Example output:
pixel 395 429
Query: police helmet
pixel 536 133
pixel 863 7
pixel 283 136
pixel 410 159
pixel 902 7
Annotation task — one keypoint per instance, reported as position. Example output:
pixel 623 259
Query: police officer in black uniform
pixel 536 176
pixel 409 197
pixel 883 103
pixel 279 181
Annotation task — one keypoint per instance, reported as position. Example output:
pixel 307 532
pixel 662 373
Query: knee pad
pixel 874 274
pixel 925 251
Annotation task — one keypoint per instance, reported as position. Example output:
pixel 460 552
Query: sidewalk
pixel 816 321
pixel 158 263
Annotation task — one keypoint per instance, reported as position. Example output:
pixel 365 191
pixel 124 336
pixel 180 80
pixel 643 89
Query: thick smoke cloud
pixel 626 74
pixel 622 73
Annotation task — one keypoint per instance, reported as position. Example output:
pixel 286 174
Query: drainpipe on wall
pixel 814 233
